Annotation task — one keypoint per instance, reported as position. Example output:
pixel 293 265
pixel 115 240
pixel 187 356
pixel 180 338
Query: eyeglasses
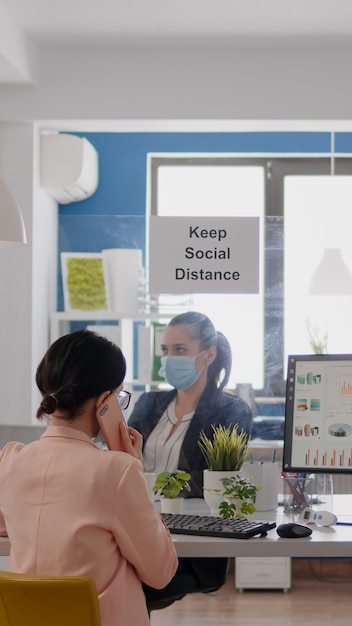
pixel 124 398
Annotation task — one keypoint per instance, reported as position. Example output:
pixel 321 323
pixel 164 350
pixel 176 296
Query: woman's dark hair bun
pixel 75 368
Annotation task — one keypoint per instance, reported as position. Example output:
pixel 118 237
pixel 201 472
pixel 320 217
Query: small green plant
pixel 169 484
pixel 318 338
pixel 226 450
pixel 239 497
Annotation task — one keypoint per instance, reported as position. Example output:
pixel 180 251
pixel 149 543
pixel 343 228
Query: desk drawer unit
pixel 262 573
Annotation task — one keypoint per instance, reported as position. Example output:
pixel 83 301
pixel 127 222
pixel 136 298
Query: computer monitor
pixel 318 414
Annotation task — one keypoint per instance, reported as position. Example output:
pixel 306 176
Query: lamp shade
pixel 332 276
pixel 12 230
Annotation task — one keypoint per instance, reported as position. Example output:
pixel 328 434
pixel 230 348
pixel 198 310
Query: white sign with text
pixel 203 255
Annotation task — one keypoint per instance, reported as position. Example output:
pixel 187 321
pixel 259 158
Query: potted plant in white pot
pixel 168 486
pixel 224 452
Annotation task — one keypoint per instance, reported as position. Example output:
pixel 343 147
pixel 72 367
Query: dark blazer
pixel 214 407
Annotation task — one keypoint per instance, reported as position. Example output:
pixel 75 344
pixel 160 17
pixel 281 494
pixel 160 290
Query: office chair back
pixel 27 600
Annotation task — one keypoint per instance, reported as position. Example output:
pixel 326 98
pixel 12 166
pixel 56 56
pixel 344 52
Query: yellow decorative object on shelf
pixel 84 281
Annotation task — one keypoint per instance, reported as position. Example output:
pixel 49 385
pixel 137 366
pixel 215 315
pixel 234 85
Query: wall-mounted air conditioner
pixel 69 169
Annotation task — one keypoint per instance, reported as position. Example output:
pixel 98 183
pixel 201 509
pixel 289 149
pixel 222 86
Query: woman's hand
pixel 132 441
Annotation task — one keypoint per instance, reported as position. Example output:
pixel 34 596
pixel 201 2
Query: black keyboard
pixel 186 524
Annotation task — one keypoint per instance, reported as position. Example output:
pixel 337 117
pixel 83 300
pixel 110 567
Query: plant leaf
pixel 226 450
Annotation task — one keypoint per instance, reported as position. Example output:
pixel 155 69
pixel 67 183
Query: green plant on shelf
pixel 318 338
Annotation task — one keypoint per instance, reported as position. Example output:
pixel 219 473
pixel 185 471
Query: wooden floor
pixel 320 595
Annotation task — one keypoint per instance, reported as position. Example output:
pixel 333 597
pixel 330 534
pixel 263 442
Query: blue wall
pixel 123 157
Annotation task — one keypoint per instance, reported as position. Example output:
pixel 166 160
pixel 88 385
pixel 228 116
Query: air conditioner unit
pixel 69 169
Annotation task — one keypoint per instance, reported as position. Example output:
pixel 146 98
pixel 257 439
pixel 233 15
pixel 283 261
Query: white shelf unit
pixel 263 573
pixel 61 320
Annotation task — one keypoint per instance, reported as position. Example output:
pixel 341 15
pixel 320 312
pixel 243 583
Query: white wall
pixel 16 158
pixel 262 84
pixel 44 268
pixel 27 276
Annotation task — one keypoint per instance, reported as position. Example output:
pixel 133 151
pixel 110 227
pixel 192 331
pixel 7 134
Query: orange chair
pixel 31 600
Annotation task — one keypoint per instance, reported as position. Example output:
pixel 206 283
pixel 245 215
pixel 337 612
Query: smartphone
pixel 109 415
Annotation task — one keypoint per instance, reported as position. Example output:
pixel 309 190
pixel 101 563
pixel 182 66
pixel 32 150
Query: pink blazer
pixel 70 508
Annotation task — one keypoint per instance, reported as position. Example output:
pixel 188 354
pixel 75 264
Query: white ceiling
pixel 28 27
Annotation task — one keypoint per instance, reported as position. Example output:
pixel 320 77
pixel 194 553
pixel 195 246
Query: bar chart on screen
pixel 346 386
pixel 334 458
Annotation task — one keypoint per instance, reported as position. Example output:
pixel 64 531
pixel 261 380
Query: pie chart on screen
pixel 340 430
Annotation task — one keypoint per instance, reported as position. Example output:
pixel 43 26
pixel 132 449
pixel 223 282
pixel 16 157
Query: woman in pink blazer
pixel 70 508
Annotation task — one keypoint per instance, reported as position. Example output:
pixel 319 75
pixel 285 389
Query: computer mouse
pixel 293 530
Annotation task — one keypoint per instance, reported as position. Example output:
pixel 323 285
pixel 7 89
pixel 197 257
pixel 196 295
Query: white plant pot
pixel 211 482
pixel 267 476
pixel 171 505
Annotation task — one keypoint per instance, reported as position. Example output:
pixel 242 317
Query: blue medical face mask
pixel 179 371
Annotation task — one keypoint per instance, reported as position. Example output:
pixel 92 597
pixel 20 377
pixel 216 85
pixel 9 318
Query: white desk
pixel 325 542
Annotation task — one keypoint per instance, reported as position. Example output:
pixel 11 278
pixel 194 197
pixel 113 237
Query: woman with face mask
pixel 196 362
